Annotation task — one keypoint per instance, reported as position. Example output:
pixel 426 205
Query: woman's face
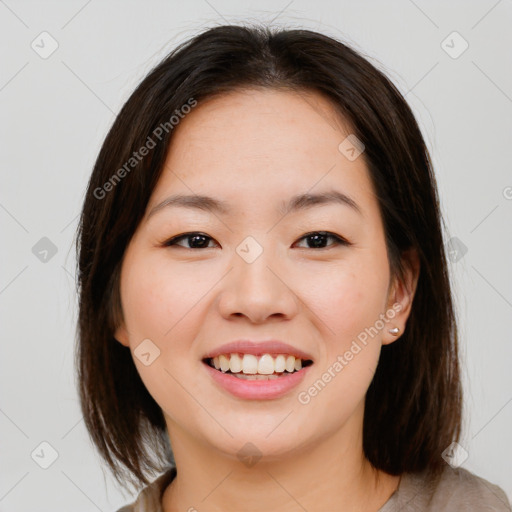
pixel 252 274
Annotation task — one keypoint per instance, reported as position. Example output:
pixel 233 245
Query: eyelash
pixel 338 240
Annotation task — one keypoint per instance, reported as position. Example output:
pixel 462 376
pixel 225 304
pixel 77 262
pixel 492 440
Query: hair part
pixel 413 406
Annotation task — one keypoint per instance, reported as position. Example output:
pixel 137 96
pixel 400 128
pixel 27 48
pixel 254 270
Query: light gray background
pixel 56 111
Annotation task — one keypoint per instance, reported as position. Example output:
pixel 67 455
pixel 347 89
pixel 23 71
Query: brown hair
pixel 414 403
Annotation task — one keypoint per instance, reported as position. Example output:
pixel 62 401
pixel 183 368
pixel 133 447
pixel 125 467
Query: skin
pixel 254 149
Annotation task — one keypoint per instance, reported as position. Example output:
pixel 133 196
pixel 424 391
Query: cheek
pixel 349 303
pixel 145 302
pixel 349 300
pixel 161 304
pixel 158 297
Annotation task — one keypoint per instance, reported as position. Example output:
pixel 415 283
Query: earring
pixel 394 331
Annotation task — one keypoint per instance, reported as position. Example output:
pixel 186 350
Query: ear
pixel 401 295
pixel 121 335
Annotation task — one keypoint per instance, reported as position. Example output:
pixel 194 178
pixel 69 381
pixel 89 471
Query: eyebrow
pixel 296 203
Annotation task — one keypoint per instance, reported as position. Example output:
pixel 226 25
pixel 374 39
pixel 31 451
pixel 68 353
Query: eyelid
pixel 171 242
pixel 338 240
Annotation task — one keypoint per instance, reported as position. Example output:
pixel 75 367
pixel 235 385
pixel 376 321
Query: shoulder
pixel 149 498
pixel 454 489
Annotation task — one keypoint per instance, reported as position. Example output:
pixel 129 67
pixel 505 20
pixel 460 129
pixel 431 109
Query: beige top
pixel 455 490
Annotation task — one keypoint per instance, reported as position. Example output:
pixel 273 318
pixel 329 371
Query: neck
pixel 313 478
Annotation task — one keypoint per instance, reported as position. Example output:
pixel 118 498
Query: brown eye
pixel 195 241
pixel 318 240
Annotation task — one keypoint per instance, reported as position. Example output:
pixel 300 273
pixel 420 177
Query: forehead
pixel 257 123
pixel 262 144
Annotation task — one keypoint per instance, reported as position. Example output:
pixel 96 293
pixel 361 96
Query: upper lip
pixel 258 348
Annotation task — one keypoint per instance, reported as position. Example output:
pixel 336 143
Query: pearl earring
pixel 394 331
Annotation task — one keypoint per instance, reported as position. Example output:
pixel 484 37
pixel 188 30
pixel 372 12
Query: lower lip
pixel 257 389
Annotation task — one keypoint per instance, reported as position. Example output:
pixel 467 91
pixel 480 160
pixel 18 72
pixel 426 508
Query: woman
pixel 264 288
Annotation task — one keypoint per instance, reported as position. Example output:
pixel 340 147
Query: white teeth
pixel 256 377
pixel 245 365
pixel 235 363
pixel 280 363
pixel 266 365
pixel 250 364
pixel 290 364
pixel 224 363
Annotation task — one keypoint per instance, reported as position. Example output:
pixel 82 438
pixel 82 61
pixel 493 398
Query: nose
pixel 258 291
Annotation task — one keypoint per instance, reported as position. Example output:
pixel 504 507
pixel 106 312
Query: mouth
pixel 252 367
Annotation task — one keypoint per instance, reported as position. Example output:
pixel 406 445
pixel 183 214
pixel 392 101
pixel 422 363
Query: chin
pixel 256 443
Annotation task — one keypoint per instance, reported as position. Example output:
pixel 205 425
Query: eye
pixel 315 240
pixel 196 240
pixel 318 239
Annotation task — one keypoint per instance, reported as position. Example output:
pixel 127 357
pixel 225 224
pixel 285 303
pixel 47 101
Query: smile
pixel 257 377
pixel 251 367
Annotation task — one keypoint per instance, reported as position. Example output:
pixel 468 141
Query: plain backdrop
pixel 66 69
